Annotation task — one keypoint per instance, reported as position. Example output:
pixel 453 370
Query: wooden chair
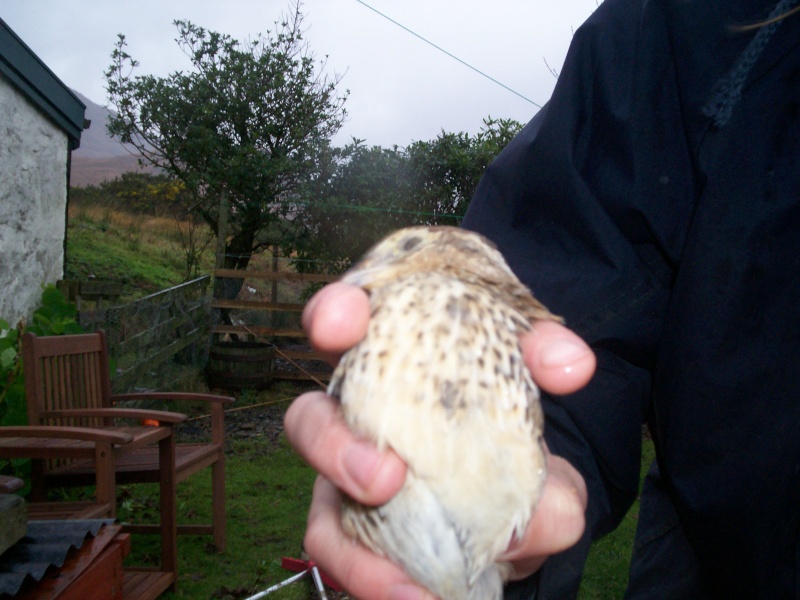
pixel 67 382
pixel 59 442
pixel 105 448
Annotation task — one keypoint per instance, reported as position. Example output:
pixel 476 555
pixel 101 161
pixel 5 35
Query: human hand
pixel 336 319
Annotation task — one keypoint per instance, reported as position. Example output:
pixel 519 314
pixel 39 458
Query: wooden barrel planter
pixel 240 365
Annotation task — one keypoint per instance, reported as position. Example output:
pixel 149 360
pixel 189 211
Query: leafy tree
pixel 250 123
pixel 372 191
pixel 446 171
pixel 367 195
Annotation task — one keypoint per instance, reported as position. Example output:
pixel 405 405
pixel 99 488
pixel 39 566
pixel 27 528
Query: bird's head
pixel 413 250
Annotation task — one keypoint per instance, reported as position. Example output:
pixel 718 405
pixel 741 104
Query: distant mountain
pixel 95 141
pixel 100 157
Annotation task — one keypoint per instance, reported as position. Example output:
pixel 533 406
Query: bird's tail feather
pixel 415 531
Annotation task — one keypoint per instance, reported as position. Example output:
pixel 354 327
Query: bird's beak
pixel 361 275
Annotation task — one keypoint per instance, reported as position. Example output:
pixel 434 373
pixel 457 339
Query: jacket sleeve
pixel 589 205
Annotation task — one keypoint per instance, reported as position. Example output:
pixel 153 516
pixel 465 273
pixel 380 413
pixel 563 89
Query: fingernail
pixel 407 591
pixel 360 460
pixel 562 353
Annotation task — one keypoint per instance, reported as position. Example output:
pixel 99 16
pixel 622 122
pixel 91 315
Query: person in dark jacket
pixel 654 202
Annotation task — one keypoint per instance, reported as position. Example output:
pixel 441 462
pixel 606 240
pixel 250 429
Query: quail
pixel 440 379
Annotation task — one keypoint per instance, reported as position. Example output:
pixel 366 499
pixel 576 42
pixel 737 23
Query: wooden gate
pixel 294 359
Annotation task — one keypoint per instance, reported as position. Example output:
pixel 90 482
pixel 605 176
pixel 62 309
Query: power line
pixel 369 208
pixel 453 56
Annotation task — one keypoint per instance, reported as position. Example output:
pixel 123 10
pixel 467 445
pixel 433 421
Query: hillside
pixel 99 157
pixel 95 141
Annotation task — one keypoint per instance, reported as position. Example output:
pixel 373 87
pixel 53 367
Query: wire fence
pixel 158 341
pixel 242 332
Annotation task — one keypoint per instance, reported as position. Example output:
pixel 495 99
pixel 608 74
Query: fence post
pixel 222 229
pixel 219 262
pixel 273 317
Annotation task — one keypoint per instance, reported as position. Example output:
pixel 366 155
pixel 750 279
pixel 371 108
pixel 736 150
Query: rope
pixel 260 338
pixel 269 402
pixel 238 408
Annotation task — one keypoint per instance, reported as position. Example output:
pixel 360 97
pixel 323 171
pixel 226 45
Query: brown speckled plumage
pixel 440 378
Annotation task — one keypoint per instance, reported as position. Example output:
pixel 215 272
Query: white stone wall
pixel 33 198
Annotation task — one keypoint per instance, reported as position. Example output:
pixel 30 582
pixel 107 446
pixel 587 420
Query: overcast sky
pixel 401 89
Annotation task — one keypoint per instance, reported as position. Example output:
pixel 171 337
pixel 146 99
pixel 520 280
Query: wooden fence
pixel 296 360
pixel 148 336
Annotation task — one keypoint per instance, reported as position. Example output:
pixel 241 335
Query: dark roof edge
pixel 34 79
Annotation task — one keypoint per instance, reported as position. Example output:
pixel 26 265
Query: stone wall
pixel 33 198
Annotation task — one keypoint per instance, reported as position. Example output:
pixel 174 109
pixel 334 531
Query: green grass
pixel 606 573
pixel 268 494
pixel 99 247
pixel 143 253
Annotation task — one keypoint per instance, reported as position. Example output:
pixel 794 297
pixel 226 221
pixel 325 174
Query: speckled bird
pixel 440 379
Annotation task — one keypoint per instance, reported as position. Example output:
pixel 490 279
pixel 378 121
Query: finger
pixel 336 319
pixel 362 573
pixel 557 523
pixel 559 360
pixel 314 427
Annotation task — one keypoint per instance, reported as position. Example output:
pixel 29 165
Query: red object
pixel 296 565
pixel 150 423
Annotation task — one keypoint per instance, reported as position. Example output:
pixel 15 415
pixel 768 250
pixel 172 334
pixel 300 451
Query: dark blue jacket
pixel 655 203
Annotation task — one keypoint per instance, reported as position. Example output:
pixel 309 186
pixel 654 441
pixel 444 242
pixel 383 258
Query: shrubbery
pixel 55 316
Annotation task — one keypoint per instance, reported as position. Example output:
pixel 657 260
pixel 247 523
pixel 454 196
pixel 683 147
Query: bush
pixel 55 316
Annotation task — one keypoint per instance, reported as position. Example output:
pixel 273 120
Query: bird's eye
pixel 410 243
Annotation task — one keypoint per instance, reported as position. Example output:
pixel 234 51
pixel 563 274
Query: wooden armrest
pixel 9 485
pixel 183 396
pixel 115 413
pixel 58 432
